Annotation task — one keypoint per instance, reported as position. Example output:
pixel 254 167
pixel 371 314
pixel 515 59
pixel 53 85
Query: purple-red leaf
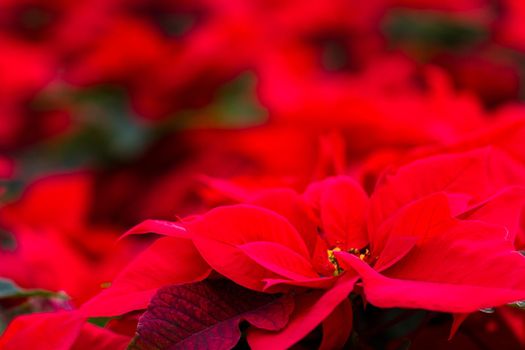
pixel 206 315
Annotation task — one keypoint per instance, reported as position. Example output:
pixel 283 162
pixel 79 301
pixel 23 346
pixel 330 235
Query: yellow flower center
pixel 363 254
pixel 333 260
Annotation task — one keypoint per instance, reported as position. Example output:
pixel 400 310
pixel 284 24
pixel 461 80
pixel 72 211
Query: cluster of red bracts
pixel 367 189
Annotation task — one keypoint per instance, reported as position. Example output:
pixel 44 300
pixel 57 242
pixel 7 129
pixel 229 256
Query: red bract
pixel 418 218
pixel 270 244
pixel 165 262
pixel 458 217
pixel 448 268
pixel 488 178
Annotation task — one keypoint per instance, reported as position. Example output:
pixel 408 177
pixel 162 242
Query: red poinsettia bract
pixel 436 234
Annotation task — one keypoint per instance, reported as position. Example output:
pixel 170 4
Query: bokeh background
pixel 148 91
pixel 116 111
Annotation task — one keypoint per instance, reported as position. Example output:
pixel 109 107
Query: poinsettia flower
pixel 474 180
pixel 279 241
pixel 421 256
pixel 481 187
pixel 274 243
pixel 502 139
pixel 448 268
pixel 442 232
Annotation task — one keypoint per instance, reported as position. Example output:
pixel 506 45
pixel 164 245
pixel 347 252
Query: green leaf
pixel 8 289
pixel 99 321
pixel 429 32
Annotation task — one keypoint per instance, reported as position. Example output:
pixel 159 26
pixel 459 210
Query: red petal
pixel 311 309
pixel 233 263
pixel 342 205
pixel 478 174
pixel 504 208
pixel 239 224
pixel 456 266
pixel 291 205
pixel 279 259
pixel 453 296
pixel 167 261
pixel 317 283
pixel 161 227
pixel 395 249
pixel 221 231
pixel 411 222
pixel 458 319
